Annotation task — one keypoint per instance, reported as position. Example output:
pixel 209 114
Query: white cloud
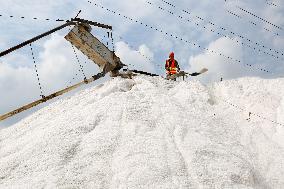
pixel 16 85
pixel 58 62
pixel 143 49
pixel 219 66
pixel 56 66
pixel 134 58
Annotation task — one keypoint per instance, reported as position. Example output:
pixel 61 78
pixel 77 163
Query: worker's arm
pixel 166 65
pixel 177 66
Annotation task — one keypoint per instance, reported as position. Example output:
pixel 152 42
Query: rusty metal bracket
pixel 91 23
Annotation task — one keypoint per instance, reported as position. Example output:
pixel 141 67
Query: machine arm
pixel 36 38
pixel 73 21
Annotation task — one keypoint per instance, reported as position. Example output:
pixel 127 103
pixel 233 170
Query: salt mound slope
pixel 151 133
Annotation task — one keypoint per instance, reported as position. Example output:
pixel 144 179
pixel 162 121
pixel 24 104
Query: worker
pixel 172 66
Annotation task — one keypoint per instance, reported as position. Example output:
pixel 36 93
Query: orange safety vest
pixel 172 69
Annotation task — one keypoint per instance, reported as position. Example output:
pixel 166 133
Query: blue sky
pixel 247 36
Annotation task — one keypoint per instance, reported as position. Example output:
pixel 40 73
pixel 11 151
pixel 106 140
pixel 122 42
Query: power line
pixel 251 113
pixel 270 3
pixel 247 39
pixel 234 14
pixel 139 52
pixel 254 24
pixel 73 78
pixel 266 29
pixel 225 29
pixel 78 61
pixel 223 35
pixel 168 3
pixel 236 106
pixel 76 76
pixel 135 49
pixel 131 46
pixel 33 18
pixel 37 75
pixel 179 38
pixel 262 19
pixel 248 111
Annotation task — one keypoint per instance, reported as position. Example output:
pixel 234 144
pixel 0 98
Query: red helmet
pixel 172 55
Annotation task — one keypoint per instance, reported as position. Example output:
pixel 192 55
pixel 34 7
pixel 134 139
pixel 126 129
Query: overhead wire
pixel 79 63
pixel 225 30
pixel 81 67
pixel 219 33
pixel 239 35
pixel 33 18
pixel 234 14
pixel 249 112
pixel 37 73
pixel 187 42
pixel 168 3
pixel 253 23
pixel 180 38
pixel 138 51
pixel 260 18
pixel 271 3
pixel 53 95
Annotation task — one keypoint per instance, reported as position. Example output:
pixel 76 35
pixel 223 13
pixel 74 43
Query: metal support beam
pixel 51 96
pixel 35 38
pixel 73 21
